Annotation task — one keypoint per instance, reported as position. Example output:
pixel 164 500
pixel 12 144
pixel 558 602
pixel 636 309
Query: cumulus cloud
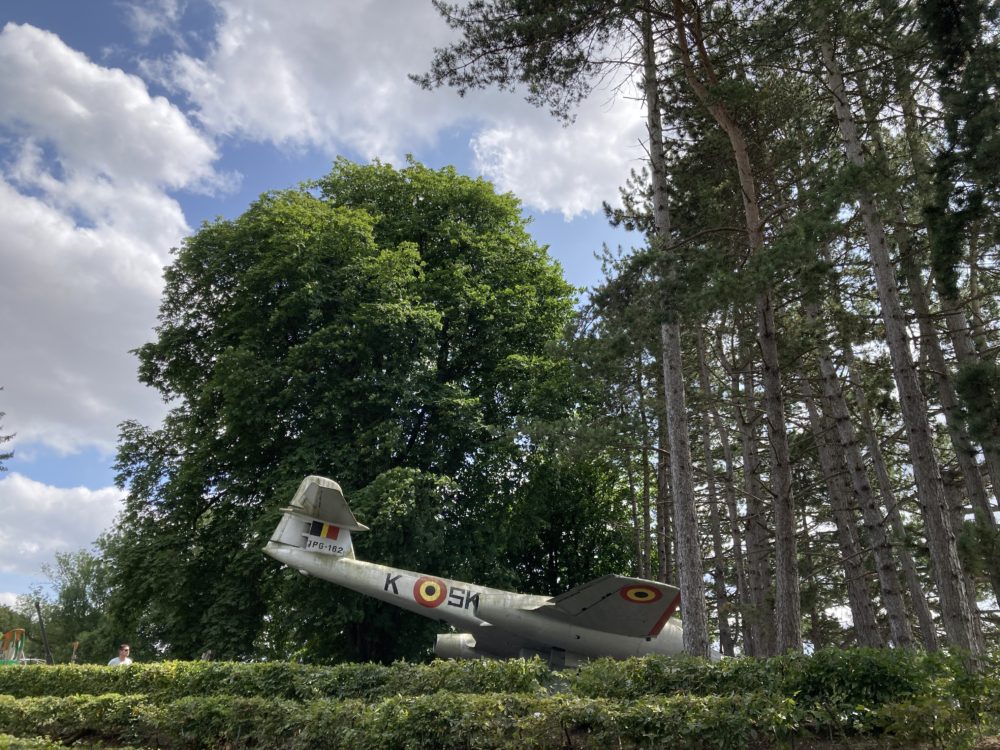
pixel 334 76
pixel 327 75
pixel 61 520
pixel 101 121
pixel 82 298
pixel 86 224
pixel 567 169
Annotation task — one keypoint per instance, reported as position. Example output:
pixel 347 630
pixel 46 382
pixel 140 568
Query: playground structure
pixel 12 649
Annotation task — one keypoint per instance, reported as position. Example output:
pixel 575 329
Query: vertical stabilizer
pixel 318 520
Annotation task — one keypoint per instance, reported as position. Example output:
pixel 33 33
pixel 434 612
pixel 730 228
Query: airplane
pixel 613 616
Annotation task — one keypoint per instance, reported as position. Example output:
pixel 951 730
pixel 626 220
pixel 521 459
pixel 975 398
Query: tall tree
pixel 689 562
pixel 702 75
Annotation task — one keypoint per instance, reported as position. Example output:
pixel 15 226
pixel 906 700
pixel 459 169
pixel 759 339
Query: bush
pixel 173 680
pixel 443 720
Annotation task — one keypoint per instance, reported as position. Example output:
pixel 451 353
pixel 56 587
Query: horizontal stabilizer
pixel 321 498
pixel 617 604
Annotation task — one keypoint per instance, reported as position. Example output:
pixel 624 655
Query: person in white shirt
pixel 123 657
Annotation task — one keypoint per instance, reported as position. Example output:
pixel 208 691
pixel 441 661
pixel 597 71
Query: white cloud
pixel 334 76
pixel 81 298
pixel 86 223
pixel 8 598
pixel 155 17
pixel 101 121
pixel 40 520
pixel 569 169
pixel 326 75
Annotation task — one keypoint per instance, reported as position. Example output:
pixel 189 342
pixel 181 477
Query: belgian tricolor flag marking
pixel 324 530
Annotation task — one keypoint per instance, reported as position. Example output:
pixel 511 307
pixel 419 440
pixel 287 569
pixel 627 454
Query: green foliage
pixel 441 720
pixel 10 742
pixel 13 617
pixel 966 60
pixel 552 47
pixel 978 384
pixel 78 611
pixel 828 677
pixel 287 680
pixel 560 529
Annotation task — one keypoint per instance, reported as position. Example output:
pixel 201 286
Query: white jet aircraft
pixel 613 616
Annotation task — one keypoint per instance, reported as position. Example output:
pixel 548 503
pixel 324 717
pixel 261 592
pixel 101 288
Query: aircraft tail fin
pixel 318 520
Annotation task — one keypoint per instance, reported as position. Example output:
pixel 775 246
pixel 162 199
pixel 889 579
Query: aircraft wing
pixel 616 604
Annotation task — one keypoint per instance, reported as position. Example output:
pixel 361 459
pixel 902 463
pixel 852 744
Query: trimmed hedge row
pixel 868 677
pixel 861 676
pixel 173 680
pixel 738 703
pixel 451 721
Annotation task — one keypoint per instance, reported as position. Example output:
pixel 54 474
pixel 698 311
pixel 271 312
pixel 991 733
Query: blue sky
pixel 125 124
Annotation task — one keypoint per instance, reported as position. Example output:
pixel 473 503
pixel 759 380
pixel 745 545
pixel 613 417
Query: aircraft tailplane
pixel 318 520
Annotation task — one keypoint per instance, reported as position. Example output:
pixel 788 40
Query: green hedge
pixel 860 676
pixel 651 702
pixel 454 721
pixel 444 720
pixel 173 680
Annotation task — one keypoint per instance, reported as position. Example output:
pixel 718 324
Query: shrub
pixel 172 680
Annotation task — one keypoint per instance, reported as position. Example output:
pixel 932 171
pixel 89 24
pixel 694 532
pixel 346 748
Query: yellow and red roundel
pixel 429 592
pixel 640 594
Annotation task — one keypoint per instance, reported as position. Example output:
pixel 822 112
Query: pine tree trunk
pixel 841 503
pixel 965 453
pixel 966 352
pixel 688 547
pixel 759 620
pixel 955 613
pixel 726 641
pixel 634 509
pixel 664 511
pixel 787 600
pixel 960 331
pixel 864 498
pixel 647 511
pixel 663 506
pixel 729 494
pixel 918 601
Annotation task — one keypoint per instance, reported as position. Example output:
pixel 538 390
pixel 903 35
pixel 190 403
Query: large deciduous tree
pixel 388 328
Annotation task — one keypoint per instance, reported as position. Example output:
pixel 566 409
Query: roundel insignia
pixel 429 592
pixel 640 594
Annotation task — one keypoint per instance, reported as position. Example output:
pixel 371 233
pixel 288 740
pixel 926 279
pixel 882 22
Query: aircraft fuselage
pixel 613 616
